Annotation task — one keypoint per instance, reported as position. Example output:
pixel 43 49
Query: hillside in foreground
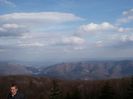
pixel 47 88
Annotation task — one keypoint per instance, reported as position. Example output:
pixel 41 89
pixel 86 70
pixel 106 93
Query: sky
pixel 66 30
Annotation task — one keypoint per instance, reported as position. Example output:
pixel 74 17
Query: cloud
pixel 20 24
pixel 128 12
pixel 12 30
pixel 99 44
pixel 33 44
pixel 39 18
pixel 28 31
pixel 102 29
pixel 15 24
pixel 70 43
pixel 126 38
pixel 67 43
pixel 5 47
pixel 93 27
pixel 123 45
pixel 7 3
pixel 73 40
pixel 127 16
pixel 119 41
pixel 125 41
pixel 105 35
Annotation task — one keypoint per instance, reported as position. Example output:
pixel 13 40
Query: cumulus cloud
pixel 20 25
pixel 126 41
pixel 126 38
pixel 106 35
pixel 93 27
pixel 71 43
pixel 73 40
pixel 116 41
pixel 127 16
pixel 102 29
pixel 38 18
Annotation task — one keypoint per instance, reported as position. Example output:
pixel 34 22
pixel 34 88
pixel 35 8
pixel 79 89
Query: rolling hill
pixel 85 70
pixel 89 70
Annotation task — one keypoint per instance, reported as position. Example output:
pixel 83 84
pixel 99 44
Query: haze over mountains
pixel 12 69
pixel 84 70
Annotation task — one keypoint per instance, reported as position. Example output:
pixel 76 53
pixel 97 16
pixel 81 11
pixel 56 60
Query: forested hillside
pixel 48 88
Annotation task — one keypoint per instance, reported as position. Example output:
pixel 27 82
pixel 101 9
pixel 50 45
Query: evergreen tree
pixel 107 92
pixel 75 94
pixel 68 96
pixel 130 90
pixel 55 92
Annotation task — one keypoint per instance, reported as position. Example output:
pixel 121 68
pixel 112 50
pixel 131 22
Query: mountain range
pixel 84 70
pixel 7 68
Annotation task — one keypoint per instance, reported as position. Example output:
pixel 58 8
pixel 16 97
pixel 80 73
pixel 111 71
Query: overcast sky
pixel 64 30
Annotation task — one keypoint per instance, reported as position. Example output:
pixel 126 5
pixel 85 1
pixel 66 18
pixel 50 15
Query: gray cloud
pixel 124 45
pixel 24 34
pixel 12 30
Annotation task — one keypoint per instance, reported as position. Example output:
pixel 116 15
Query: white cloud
pixel 12 23
pixel 106 35
pixel 33 44
pixel 73 40
pixel 7 26
pixel 38 18
pixel 7 3
pixel 129 12
pixel 121 37
pixel 99 44
pixel 102 29
pixel 93 27
pixel 12 30
pixel 127 17
pixel 70 43
pixel 116 41
pixel 126 38
pixel 79 48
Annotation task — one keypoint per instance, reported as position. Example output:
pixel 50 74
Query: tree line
pixel 48 88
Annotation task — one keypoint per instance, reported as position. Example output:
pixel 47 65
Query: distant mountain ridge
pixel 90 70
pixel 84 70
pixel 13 69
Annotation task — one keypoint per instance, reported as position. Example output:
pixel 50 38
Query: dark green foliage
pixel 55 92
pixel 75 94
pixel 106 92
pixel 46 88
pixel 130 90
pixel 68 96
